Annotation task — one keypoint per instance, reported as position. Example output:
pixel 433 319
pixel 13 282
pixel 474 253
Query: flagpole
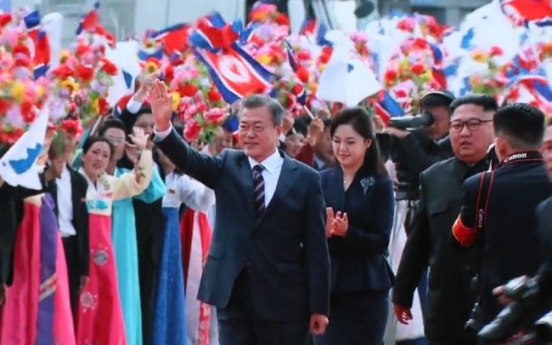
pixel 307 110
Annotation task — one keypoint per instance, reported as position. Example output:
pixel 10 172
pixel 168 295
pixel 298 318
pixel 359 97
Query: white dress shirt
pixel 65 204
pixel 271 173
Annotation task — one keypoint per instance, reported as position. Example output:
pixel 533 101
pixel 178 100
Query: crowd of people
pixel 280 232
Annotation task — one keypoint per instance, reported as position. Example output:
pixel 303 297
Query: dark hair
pixel 521 125
pixel 362 124
pixel 488 103
pixel 300 126
pixel 129 119
pixel 549 122
pixel 436 99
pixel 92 140
pixel 257 101
pixel 112 123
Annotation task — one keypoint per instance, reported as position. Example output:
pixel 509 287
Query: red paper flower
pixel 495 51
pixel 390 77
pixel 406 24
pixel 27 112
pixel 213 95
pixel 62 72
pixel 418 69
pixel 109 67
pixel 420 43
pixel 104 106
pixel 71 127
pixel 187 90
pixel 84 73
pixel 192 129
pixel 5 19
pixel 214 116
pixel 4 106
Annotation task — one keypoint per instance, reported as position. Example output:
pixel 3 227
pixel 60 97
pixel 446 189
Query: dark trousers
pixel 356 319
pixel 71 248
pixel 240 325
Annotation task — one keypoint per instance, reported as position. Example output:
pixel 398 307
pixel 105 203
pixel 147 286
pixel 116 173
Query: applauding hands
pixel 336 224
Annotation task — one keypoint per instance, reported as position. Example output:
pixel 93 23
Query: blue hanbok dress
pixel 169 323
pixel 126 255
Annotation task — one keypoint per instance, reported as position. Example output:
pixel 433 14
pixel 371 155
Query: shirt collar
pixel 271 163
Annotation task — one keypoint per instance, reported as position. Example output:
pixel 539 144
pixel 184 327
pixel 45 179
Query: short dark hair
pixel 486 102
pixel 112 123
pixel 362 124
pixel 300 126
pixel 436 99
pixel 92 140
pixel 521 125
pixel 129 119
pixel 257 101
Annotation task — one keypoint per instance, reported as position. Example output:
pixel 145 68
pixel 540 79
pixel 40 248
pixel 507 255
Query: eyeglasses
pixel 473 125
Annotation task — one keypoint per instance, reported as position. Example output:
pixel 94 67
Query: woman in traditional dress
pixel 38 305
pixel 124 230
pixel 100 318
pixel 169 311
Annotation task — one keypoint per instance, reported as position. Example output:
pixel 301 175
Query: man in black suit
pixel 509 241
pixel 72 215
pixel 428 244
pixel 268 266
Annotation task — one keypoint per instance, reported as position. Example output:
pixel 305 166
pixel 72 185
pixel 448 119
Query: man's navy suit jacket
pixel 285 251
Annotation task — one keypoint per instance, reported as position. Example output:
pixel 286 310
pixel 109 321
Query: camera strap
pixel 483 194
pixel 483 200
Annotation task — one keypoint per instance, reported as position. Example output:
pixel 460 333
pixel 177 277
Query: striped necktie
pixel 259 189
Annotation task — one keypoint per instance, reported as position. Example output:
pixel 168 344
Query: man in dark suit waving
pixel 268 266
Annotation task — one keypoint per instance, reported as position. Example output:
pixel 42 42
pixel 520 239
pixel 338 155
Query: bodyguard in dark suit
pixel 72 214
pixel 268 266
pixel 509 241
pixel 359 197
pixel 428 245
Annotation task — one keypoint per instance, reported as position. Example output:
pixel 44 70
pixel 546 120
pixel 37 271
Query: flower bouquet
pixel 21 96
pixel 81 81
pixel 490 78
pixel 410 73
pixel 197 101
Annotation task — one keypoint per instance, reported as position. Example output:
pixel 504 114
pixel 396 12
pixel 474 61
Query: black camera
pixel 388 143
pixel 518 315
pixel 407 188
pixel 425 119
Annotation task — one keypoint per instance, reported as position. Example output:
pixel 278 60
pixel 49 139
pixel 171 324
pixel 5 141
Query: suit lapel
pixel 284 185
pixel 247 184
pixel 333 190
